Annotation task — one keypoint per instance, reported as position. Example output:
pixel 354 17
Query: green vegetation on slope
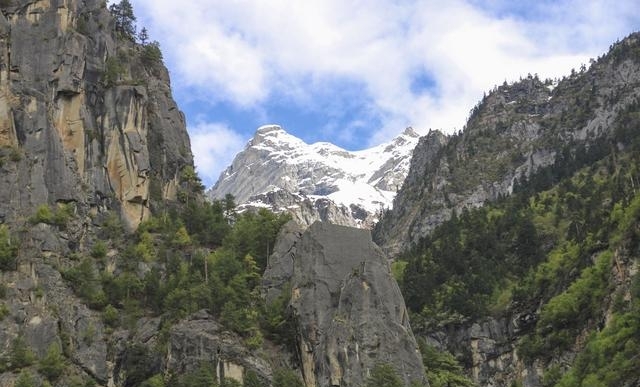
pixel 551 249
pixel 188 268
pixel 610 357
pixel 8 249
pixel 443 370
pixel 384 375
pixel 195 255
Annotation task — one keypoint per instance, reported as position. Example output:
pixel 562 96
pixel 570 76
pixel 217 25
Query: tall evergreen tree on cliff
pixel 125 19
pixel 143 36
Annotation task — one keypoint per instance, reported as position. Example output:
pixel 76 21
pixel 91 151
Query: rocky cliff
pixel 537 286
pixel 90 138
pixel 85 117
pixel 348 311
pixel 113 270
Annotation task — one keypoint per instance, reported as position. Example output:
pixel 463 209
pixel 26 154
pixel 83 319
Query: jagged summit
pixel 319 180
pixel 269 128
pixel 410 132
pixel 273 135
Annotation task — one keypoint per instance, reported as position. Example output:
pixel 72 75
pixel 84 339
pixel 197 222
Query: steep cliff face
pixel 348 310
pixel 426 158
pixel 89 134
pixel 84 118
pixel 515 130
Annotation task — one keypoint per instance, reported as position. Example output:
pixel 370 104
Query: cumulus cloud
pixel 422 63
pixel 214 145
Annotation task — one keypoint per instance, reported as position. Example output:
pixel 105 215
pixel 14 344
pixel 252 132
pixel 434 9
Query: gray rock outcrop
pixel 280 266
pixel 348 309
pixel 75 127
pixel 490 347
pixel 201 339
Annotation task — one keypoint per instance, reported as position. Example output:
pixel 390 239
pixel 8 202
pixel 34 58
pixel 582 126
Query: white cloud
pixel 207 54
pixel 244 52
pixel 214 145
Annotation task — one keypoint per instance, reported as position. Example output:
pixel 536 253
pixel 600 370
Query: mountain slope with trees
pixel 512 132
pixel 114 270
pixel 108 253
pixel 517 239
pixel 526 227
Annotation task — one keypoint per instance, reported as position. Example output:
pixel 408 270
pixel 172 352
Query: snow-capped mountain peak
pixel 356 184
pixel 274 137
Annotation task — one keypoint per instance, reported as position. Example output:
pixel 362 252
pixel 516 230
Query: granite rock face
pixel 200 338
pixel 426 157
pixel 69 133
pixel 44 311
pixel 280 266
pixel 490 347
pixel 89 126
pixel 348 309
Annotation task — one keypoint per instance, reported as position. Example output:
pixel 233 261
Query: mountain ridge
pixel 524 233
pixel 516 239
pixel 515 130
pixel 316 181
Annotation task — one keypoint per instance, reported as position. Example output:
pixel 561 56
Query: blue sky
pixel 357 72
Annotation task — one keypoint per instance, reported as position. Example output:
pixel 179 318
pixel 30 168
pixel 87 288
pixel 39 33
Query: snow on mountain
pixel 317 181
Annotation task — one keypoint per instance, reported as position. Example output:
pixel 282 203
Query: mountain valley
pixel 504 255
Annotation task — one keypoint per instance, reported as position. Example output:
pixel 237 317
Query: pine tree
pixel 21 354
pixel 384 375
pixel 143 36
pixel 200 377
pixel 124 18
pixel 286 378
pixel 7 250
pixel 53 364
pixel 25 379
